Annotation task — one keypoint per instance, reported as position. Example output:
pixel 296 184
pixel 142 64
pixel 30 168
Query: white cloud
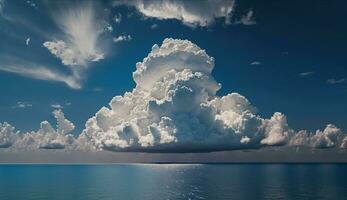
pixel 31 3
pixel 174 107
pixel 77 47
pixel 117 18
pixel 255 63
pixel 64 126
pixel 80 45
pixel 27 41
pixel 21 104
pixel 247 19
pixel 154 26
pixel 46 137
pixel 39 72
pixel 336 81
pixel 326 138
pixel 330 137
pixel 8 135
pixel 344 143
pixel 57 106
pixel 306 73
pixel 122 38
pixel 108 28
pixel 68 55
pixel 192 13
pixel 276 130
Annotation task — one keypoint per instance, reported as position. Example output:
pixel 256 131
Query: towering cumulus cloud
pixel 174 108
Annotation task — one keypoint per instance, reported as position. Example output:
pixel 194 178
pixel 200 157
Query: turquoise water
pixel 174 181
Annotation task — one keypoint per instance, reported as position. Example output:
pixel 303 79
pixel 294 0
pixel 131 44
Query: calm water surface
pixel 174 181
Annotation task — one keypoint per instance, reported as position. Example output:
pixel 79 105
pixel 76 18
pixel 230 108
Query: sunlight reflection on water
pixel 173 181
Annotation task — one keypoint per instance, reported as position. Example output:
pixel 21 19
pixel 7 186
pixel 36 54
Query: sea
pixel 172 181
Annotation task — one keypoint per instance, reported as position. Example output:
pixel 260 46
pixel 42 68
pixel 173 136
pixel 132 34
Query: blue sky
pixel 289 57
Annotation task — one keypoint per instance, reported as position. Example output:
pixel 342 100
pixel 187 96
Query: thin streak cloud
pixel 39 72
pixel 306 73
pixel 336 81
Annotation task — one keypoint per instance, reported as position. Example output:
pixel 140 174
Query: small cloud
pixel 97 89
pixel 336 81
pixel 68 103
pixel 122 38
pixel 154 26
pixel 27 41
pixel 108 28
pixel 57 106
pixel 247 19
pixel 21 104
pixel 306 73
pixel 117 18
pixel 256 63
pixel 31 3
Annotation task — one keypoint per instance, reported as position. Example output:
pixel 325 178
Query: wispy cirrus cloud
pixel 80 44
pixel 37 71
pixel 256 63
pixel 77 45
pixel 57 106
pixel 336 81
pixel 306 73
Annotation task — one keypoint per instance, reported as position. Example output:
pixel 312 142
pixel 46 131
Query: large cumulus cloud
pixel 174 107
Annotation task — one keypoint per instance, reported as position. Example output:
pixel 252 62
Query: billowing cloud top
pixel 174 107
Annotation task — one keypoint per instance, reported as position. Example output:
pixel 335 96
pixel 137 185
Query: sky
pixel 72 57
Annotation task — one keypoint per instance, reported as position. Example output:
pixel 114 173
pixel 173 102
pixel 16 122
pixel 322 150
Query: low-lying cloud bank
pixel 46 137
pixel 173 108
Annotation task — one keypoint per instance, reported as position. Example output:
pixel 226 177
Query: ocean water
pixel 173 181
